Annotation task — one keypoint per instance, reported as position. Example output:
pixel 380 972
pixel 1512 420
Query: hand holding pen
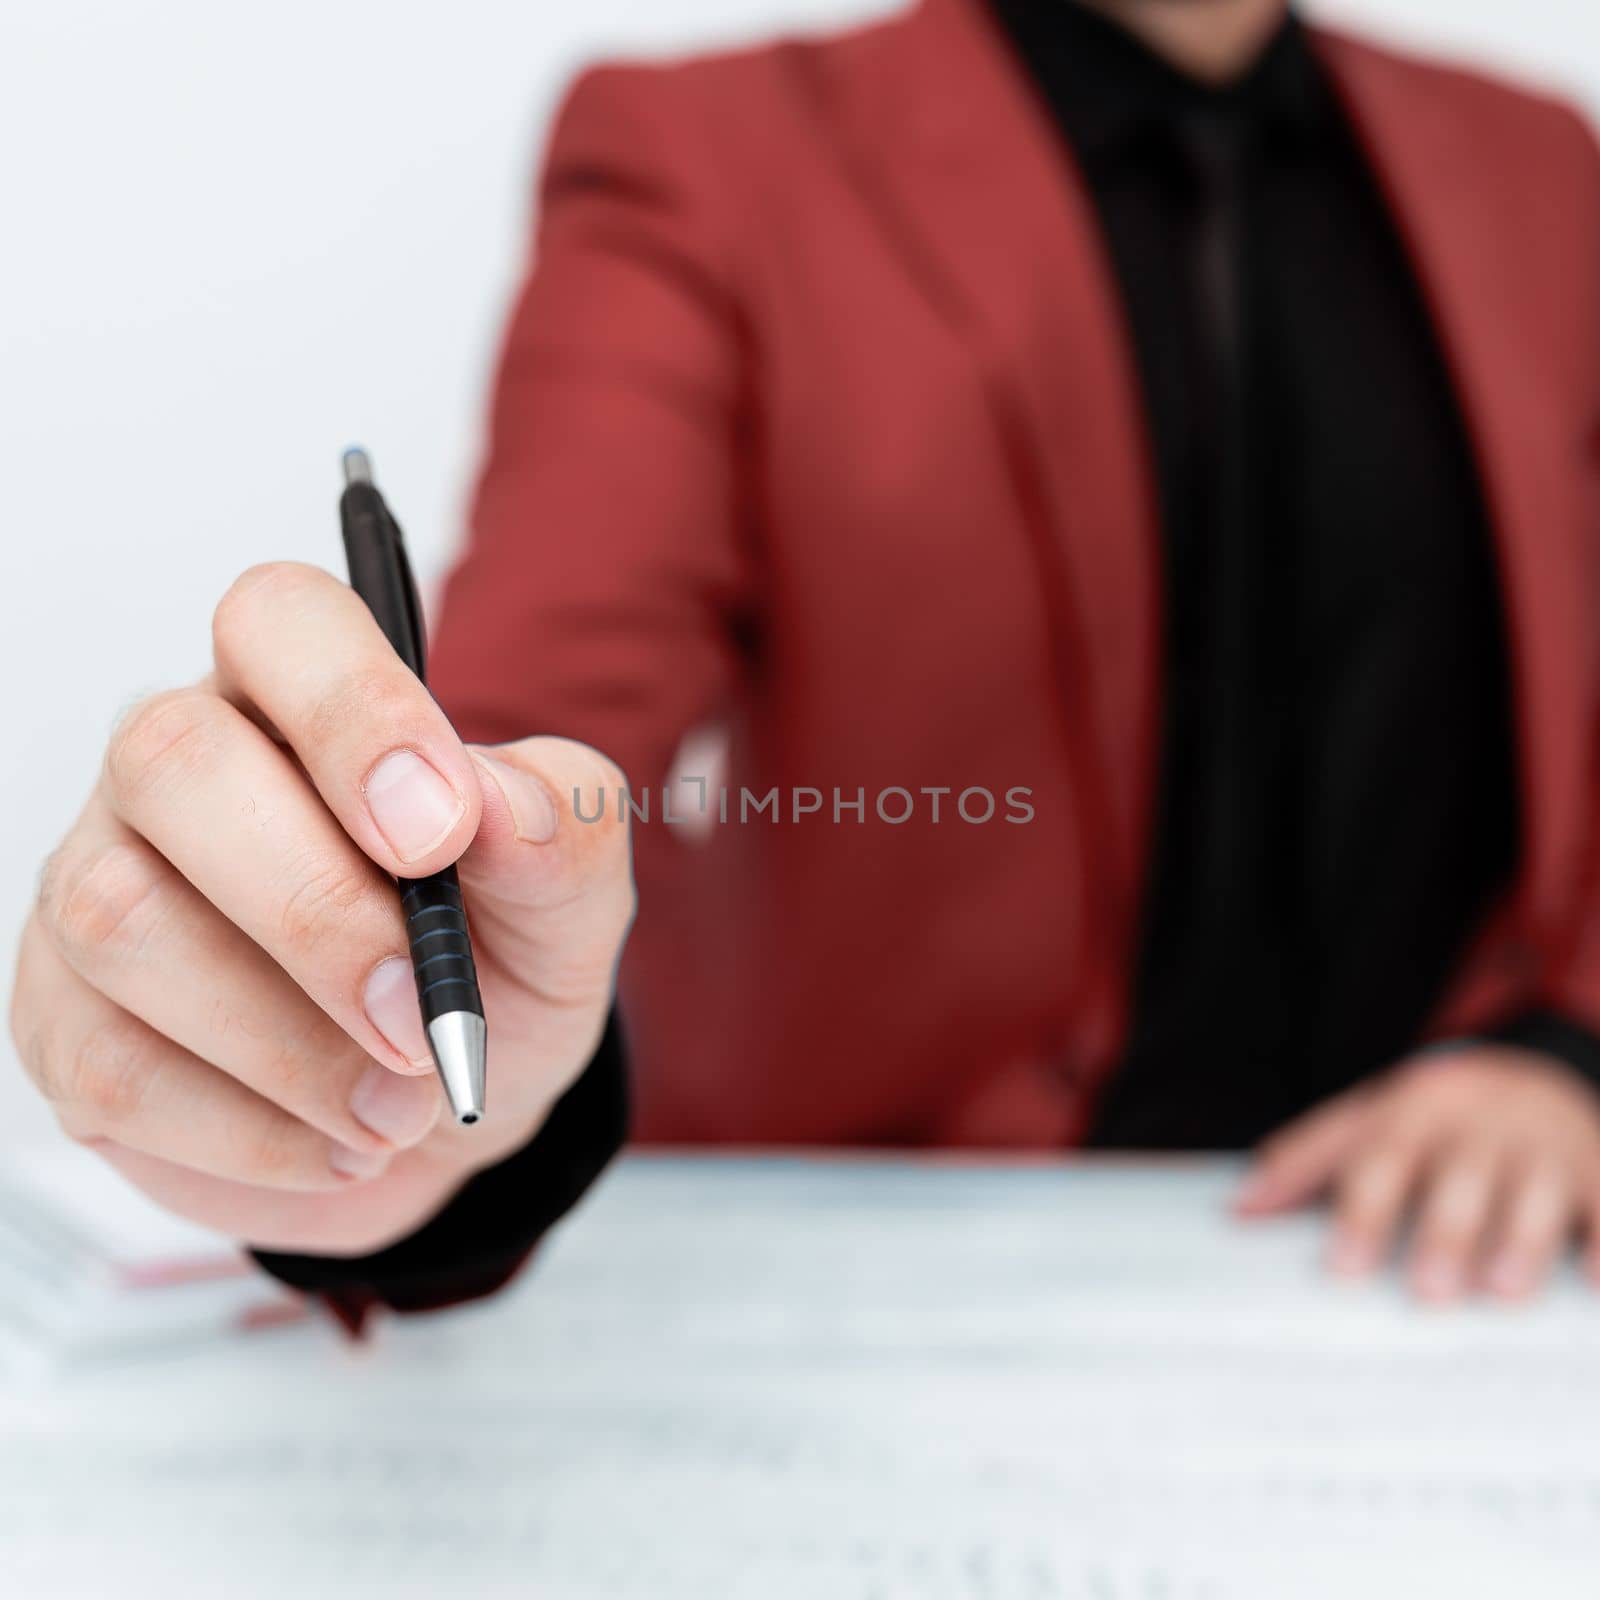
pixel 217 990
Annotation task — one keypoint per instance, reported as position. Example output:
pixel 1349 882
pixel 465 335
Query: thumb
pixel 548 876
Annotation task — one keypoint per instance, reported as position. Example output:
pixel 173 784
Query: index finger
pixel 1372 1195
pixel 300 647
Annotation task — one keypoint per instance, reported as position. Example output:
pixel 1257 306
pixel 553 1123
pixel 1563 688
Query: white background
pixel 234 238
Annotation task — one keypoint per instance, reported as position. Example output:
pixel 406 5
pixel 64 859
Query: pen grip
pixel 441 953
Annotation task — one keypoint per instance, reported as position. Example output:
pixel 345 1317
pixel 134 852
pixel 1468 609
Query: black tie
pixel 1247 869
pixel 1217 960
pixel 1242 872
pixel 1215 152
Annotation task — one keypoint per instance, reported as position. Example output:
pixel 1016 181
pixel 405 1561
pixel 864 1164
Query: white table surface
pixel 852 1381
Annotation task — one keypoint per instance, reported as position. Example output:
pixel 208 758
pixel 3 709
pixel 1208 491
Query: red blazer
pixel 817 422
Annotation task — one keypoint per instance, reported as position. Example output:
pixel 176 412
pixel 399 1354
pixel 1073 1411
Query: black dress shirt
pixel 1337 802
pixel 1337 799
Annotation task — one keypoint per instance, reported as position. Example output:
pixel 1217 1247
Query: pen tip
pixel 459 1041
pixel 357 465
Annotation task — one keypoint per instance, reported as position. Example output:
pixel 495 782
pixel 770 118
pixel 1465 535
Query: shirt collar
pixel 1106 86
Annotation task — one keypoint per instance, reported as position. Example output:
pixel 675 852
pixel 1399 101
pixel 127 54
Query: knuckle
pixel 300 1075
pixel 108 1075
pixel 366 698
pixel 323 906
pixel 255 595
pixel 162 736
pixel 272 1153
pixel 91 905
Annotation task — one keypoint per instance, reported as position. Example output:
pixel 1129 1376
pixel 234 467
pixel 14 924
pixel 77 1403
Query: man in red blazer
pixel 1117 488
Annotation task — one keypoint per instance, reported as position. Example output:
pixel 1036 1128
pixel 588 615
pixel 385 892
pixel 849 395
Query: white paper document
pixel 850 1380
pixel 91 1271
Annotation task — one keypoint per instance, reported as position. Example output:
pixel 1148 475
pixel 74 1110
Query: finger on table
pixel 1538 1217
pixel 1455 1212
pixel 1370 1200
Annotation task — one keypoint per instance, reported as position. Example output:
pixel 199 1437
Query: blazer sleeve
pixel 490 1227
pixel 599 596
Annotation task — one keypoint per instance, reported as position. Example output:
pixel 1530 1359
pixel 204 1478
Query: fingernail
pixel 390 1001
pixel 357 1165
pixel 413 806
pixel 398 1109
pixel 1437 1280
pixel 1509 1275
pixel 532 808
pixel 1350 1257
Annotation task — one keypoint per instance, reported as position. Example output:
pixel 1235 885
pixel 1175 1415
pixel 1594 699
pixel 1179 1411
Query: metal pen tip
pixel 459 1041
pixel 357 465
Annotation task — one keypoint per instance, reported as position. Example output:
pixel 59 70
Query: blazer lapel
pixel 964 167
pixel 1448 193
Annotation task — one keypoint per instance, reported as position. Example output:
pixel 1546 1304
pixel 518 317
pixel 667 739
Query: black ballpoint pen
pixel 436 922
